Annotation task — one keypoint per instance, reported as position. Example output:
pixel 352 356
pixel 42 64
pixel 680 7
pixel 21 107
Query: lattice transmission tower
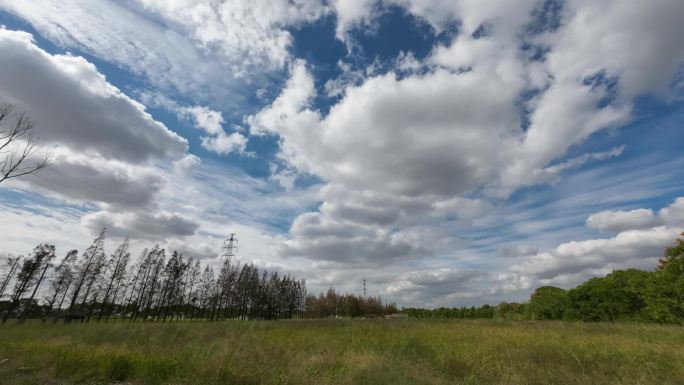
pixel 230 247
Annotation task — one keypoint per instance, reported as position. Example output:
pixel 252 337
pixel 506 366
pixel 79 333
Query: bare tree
pixel 87 271
pixel 12 263
pixel 38 261
pixel 116 269
pixel 64 275
pixel 18 144
pixel 44 253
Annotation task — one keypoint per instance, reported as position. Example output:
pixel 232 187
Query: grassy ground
pixel 342 352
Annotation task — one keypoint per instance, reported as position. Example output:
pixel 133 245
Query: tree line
pixel 333 304
pixel 159 286
pixel 485 311
pixel 623 295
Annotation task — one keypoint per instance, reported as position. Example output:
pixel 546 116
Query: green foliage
pixel 548 302
pixel 665 293
pixel 623 295
pixel 617 296
pixel 512 311
pixel 485 311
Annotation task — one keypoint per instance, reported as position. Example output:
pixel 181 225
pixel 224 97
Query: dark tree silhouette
pixel 11 263
pixel 37 263
pixel 59 287
pixel 87 270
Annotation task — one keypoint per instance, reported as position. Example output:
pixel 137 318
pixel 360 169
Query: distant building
pixel 396 315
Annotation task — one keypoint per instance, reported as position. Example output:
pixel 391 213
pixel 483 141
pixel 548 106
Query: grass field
pixel 342 352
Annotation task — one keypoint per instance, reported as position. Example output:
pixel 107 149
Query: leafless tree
pixel 115 268
pixel 154 288
pixel 64 275
pixel 38 261
pixel 12 263
pixel 19 147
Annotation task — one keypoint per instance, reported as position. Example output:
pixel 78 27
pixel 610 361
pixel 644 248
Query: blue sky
pixel 453 153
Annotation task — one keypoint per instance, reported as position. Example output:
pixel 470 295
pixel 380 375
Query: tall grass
pixel 342 352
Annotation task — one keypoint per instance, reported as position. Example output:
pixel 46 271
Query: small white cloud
pixel 224 144
pixel 623 220
pixel 204 118
pixel 187 164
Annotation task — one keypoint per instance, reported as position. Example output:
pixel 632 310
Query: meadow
pixel 341 352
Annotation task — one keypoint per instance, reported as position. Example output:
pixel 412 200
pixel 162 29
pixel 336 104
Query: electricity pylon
pixel 230 247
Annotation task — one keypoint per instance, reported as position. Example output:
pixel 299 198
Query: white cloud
pixel 674 214
pixel 641 240
pixel 412 165
pixel 208 120
pixel 632 248
pixel 187 164
pixel 204 118
pixel 94 179
pixel 82 110
pixel 206 50
pixel 623 220
pixel 253 31
pixel 110 154
pixel 407 151
pixel 225 143
pixel 435 286
pixel 140 225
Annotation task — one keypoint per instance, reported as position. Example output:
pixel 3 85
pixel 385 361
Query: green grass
pixel 342 352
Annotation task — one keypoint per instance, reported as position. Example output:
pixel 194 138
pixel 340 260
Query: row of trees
pixel 95 285
pixel 333 304
pixel 485 311
pixel 621 295
pixel 167 287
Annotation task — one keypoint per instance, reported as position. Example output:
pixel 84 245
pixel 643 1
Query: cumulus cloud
pixel 225 143
pixel 253 31
pixel 486 118
pixel 408 164
pixel 634 248
pixel 317 236
pixel 641 240
pixel 623 220
pixel 94 179
pixel 435 286
pixel 204 118
pixel 673 214
pixel 107 147
pixel 82 110
pixel 205 49
pixel 187 164
pixel 211 122
pixel 140 225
